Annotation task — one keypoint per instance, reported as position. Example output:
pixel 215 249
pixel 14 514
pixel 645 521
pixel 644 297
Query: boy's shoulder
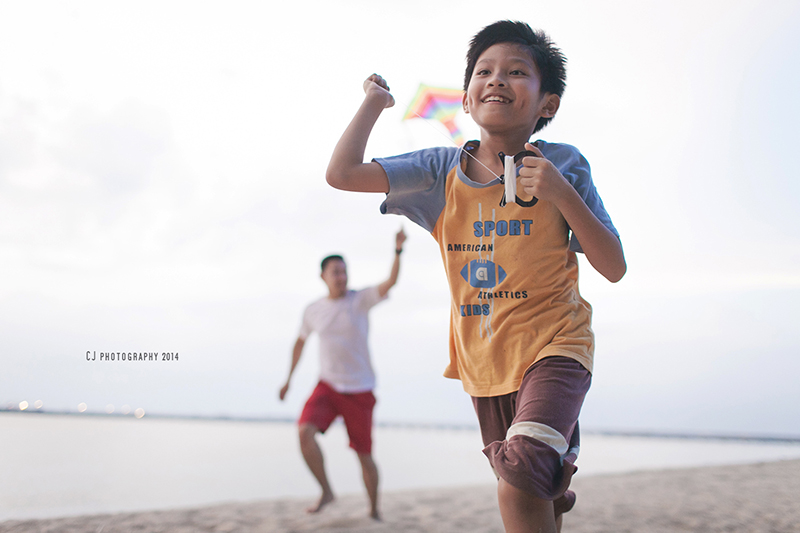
pixel 568 160
pixel 560 151
pixel 434 160
pixel 437 152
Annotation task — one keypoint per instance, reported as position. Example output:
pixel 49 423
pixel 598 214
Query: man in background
pixel 346 375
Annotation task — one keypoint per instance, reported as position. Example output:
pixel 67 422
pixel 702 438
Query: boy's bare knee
pixel 522 511
pixel 517 498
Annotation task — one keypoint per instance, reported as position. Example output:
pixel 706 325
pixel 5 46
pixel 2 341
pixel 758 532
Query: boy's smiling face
pixel 504 95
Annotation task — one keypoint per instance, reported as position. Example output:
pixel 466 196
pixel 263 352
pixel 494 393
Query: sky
pixel 162 190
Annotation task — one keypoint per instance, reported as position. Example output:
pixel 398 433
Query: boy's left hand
pixel 540 178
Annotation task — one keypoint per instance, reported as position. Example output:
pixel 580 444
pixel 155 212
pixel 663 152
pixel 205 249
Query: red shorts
pixel 325 404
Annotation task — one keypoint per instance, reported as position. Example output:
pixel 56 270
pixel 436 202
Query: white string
pixel 489 330
pixel 440 132
pixel 508 179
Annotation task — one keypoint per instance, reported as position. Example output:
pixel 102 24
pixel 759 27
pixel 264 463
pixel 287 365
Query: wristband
pixel 398 251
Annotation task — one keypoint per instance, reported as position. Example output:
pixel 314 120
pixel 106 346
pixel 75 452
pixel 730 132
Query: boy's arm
pixel 384 287
pixel 297 351
pixel 601 247
pixel 347 170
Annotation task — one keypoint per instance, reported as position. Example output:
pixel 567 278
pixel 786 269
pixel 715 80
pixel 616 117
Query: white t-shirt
pixel 342 325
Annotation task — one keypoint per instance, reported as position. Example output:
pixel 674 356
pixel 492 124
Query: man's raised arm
pixel 384 287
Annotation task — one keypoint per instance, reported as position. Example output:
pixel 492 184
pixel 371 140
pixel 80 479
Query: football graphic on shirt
pixel 482 273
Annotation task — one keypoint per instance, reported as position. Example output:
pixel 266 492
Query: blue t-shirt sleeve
pixel 417 184
pixel 575 168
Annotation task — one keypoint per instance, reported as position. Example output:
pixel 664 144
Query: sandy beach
pixel 743 498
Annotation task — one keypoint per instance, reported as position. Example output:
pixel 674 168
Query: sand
pixel 743 498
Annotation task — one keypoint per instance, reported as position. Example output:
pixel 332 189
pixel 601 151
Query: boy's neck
pixel 487 154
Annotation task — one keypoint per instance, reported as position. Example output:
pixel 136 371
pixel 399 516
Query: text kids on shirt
pixel 520 334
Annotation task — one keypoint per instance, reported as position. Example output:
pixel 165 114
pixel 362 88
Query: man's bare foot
pixel 325 499
pixel 375 515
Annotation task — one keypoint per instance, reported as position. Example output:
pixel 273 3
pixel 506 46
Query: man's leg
pixel 370 472
pixel 316 463
pixel 356 410
pixel 318 413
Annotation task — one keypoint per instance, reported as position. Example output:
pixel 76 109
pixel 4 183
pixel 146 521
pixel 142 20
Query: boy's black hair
pixel 334 257
pixel 547 57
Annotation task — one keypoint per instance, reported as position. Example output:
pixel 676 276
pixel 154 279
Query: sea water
pixel 61 465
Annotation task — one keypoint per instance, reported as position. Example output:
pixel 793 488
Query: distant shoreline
pixel 638 433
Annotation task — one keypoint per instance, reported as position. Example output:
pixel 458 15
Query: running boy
pixel 520 337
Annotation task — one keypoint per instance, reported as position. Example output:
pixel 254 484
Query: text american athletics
pixel 483 274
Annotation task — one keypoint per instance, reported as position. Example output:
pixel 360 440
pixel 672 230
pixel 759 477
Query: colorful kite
pixel 439 104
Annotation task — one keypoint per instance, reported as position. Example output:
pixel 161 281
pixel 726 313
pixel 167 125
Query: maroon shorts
pixel 531 436
pixel 325 404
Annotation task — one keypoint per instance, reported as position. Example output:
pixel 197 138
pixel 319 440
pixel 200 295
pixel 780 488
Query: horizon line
pixel 610 432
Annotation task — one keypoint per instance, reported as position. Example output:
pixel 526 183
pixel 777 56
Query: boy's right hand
pixel 376 87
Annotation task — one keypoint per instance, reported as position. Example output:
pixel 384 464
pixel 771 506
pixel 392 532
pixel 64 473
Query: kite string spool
pixel 510 177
